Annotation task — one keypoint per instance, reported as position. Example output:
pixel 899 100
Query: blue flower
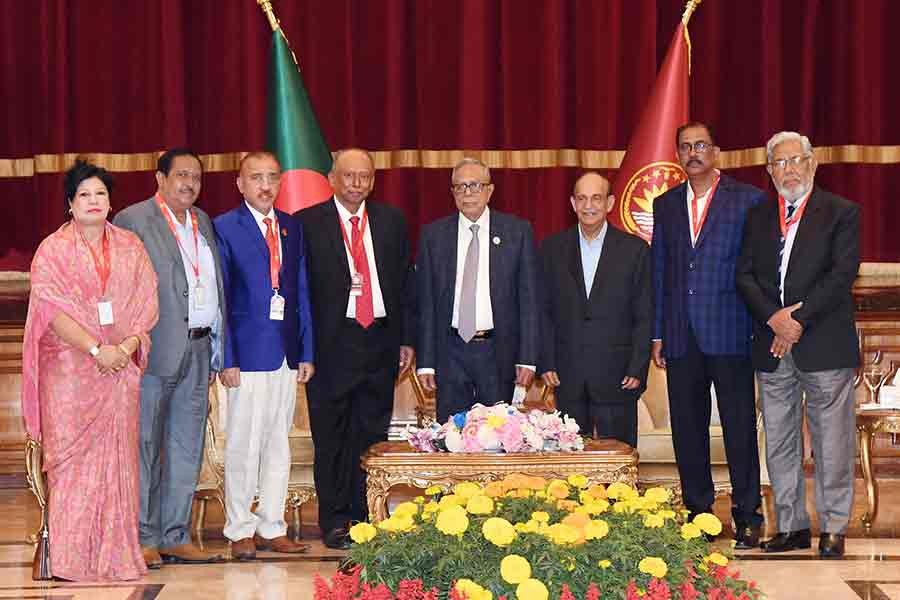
pixel 459 419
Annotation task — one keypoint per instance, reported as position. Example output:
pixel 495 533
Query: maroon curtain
pixel 136 77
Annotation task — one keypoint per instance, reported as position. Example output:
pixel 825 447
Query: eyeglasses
pixel 698 147
pixel 472 187
pixel 583 199
pixel 270 178
pixel 795 161
pixel 187 176
pixel 349 178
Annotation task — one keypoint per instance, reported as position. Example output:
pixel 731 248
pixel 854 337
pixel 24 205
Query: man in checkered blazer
pixel 702 328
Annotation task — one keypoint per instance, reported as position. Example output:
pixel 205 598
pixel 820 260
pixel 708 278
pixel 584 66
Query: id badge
pixel 105 312
pixel 276 308
pixel 199 296
pixel 356 284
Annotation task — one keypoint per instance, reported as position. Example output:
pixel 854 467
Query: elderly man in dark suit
pixel 358 268
pixel 701 334
pixel 597 315
pixel 796 270
pixel 477 293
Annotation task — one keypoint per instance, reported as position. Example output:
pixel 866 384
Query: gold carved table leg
pixel 377 487
pixel 866 435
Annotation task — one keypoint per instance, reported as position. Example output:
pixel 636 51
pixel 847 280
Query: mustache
pixel 695 161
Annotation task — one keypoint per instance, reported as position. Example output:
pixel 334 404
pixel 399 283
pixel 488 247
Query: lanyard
pixel 362 232
pixel 165 211
pixel 102 264
pixel 798 212
pixel 696 226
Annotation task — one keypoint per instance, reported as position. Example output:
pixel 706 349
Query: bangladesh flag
pixel 294 135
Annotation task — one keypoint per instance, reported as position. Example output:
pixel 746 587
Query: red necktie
pixel 274 260
pixel 365 312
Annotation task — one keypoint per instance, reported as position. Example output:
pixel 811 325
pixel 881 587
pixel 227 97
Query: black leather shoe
pixel 831 545
pixel 792 540
pixel 337 539
pixel 746 537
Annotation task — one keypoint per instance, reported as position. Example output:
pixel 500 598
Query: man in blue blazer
pixel 477 293
pixel 702 327
pixel 268 350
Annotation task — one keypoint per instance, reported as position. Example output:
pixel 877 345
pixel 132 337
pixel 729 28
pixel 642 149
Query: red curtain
pixel 136 77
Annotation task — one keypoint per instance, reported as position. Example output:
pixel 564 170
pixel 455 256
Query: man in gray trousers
pixel 184 358
pixel 799 258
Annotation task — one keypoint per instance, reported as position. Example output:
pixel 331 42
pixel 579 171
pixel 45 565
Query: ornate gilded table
pixel 868 423
pixel 393 463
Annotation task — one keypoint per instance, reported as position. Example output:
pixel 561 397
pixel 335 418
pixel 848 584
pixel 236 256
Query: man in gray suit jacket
pixel 185 355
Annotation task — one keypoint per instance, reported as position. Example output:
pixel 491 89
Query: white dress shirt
pixel 206 315
pixel 377 298
pixel 789 236
pixel 258 216
pixel 701 205
pixel 484 314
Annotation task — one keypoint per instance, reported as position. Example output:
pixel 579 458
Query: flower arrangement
pixel 499 428
pixel 524 538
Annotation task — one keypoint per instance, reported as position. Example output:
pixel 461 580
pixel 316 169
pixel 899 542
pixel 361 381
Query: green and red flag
pixel 293 133
pixel 650 166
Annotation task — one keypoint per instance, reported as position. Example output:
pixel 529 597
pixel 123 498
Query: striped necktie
pixel 789 212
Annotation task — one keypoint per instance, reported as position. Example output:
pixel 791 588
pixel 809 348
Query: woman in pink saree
pixel 93 301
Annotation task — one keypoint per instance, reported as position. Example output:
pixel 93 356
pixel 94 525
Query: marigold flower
pixel 619 490
pixel 604 564
pixel 515 569
pixel 535 483
pixel 494 489
pixel 667 514
pixel 540 516
pixel 653 521
pixel 558 489
pixel 653 566
pixel 597 491
pixel 595 507
pixel 363 532
pixel 434 490
pixel 717 559
pixel 709 523
pixel 657 494
pixel 406 509
pixel 472 591
pixel 577 480
pixel 567 505
pixel 452 521
pixel 532 589
pixel 480 505
pixel 396 523
pixel 466 489
pixel 499 532
pixel 431 507
pixel 419 500
pixel 562 534
pixel 689 531
pixel 596 529
pixel 452 500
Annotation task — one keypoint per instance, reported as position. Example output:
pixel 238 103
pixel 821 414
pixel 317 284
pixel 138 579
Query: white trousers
pixel 258 452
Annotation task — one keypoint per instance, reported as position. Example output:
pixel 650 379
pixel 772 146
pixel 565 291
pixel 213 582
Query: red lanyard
pixel 798 212
pixel 165 211
pixel 103 266
pixel 362 230
pixel 696 227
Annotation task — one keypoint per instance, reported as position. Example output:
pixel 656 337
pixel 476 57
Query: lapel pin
pixel 284 232
pixel 496 240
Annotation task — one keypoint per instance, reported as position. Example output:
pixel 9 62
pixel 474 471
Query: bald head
pixel 591 200
pixel 589 183
pixel 352 177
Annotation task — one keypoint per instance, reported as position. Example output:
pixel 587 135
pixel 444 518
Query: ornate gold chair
pixel 37 481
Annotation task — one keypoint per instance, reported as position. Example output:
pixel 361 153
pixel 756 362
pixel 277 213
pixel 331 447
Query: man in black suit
pixel 477 293
pixel 358 257
pixel 799 258
pixel 597 316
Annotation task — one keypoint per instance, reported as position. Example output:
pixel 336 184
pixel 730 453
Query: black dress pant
pixel 689 378
pixel 346 423
pixel 471 376
pixel 599 417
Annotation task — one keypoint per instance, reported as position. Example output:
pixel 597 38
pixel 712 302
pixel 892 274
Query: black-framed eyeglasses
pixel 698 147
pixel 795 161
pixel 472 187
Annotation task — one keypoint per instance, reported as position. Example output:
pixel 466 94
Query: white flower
pixel 487 437
pixel 454 440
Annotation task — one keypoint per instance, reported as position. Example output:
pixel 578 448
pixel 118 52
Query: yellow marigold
pixel 516 480
pixel 558 489
pixel 689 531
pixel 653 566
pixel 431 507
pixel 520 493
pixel 596 529
pixel 452 521
pixel 466 489
pixel 532 589
pixel 657 494
pixel 434 490
pixel 703 567
pixel 540 516
pixel 499 532
pixel 717 559
pixel 596 507
pixel 396 523
pixel 667 514
pixel 653 521
pixel 472 591
pixel 566 505
pixel 480 505
pixel 419 499
pixel 561 534
pixel 362 532
pixel 604 564
pixel 514 569
pixel 494 489
pixel 577 480
pixel 597 491
pixel 535 483
pixel 452 500
pixel 406 509
pixel 709 523
pixel 623 506
pixel 618 490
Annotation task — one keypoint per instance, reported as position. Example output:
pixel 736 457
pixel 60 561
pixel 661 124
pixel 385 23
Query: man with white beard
pixel 799 258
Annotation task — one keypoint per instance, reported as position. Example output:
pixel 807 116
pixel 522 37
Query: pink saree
pixel 88 422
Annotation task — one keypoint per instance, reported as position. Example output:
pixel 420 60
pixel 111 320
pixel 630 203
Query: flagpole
pixel 689 9
pixel 266 6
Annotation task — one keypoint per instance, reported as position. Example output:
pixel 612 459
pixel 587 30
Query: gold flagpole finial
pixel 266 6
pixel 689 9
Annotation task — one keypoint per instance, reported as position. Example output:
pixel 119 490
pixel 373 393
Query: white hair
pixel 787 136
pixel 469 161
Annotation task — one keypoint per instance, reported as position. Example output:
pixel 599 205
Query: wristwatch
pixel 94 350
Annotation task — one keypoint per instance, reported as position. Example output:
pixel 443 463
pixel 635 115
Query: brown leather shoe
pixel 188 554
pixel 243 549
pixel 280 544
pixel 151 557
